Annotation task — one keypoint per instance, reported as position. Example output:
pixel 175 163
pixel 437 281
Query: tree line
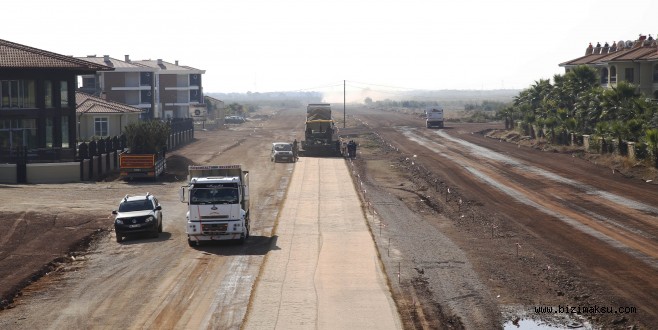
pixel 576 104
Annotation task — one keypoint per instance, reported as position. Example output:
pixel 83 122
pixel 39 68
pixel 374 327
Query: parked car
pixel 282 151
pixel 138 214
pixel 234 120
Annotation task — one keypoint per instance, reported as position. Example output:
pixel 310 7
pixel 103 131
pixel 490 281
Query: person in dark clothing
pixel 351 149
pixel 295 150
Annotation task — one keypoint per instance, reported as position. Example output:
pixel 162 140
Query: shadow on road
pixel 144 238
pixel 255 245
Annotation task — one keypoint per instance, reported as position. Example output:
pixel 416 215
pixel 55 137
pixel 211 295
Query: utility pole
pixel 343 103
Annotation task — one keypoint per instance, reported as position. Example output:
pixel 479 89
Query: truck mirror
pixel 181 194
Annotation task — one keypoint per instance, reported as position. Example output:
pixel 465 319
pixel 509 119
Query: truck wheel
pixel 119 238
pixel 191 243
pixel 160 227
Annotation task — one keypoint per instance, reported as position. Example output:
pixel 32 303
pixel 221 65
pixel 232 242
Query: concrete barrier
pixel 53 172
pixel 8 173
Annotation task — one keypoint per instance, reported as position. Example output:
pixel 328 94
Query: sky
pixel 309 45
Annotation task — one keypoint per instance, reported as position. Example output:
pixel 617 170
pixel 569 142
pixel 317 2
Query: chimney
pixel 127 58
pixel 91 55
pixel 159 61
pixel 176 62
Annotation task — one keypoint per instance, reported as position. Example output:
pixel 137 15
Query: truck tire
pixel 119 238
pixel 160 227
pixel 191 243
pixel 243 237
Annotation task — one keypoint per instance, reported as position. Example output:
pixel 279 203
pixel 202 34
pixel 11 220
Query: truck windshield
pixel 214 196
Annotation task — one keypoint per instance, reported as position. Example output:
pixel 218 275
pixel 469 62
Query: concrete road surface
pixel 324 272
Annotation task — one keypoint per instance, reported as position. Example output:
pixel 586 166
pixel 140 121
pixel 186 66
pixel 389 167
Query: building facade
pixel 99 118
pixel 177 87
pixel 37 101
pixel 161 89
pixel 633 61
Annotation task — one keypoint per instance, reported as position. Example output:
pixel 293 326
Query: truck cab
pixel 218 203
pixel 434 117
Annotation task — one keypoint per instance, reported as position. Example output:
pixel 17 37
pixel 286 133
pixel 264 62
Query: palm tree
pixel 652 141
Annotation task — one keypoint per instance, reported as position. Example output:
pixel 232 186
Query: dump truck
pixel 142 165
pixel 145 155
pixel 217 197
pixel 434 117
pixel 320 132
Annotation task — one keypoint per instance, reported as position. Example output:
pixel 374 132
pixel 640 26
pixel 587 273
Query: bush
pixel 147 137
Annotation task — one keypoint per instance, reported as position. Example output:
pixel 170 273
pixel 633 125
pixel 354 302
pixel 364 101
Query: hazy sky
pixel 287 45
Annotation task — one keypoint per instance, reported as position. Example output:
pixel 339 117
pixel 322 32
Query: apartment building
pixel 159 88
pixel 37 103
pixel 635 61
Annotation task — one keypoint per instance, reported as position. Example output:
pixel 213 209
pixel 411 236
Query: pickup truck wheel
pixel 160 227
pixel 191 244
pixel 119 238
pixel 243 238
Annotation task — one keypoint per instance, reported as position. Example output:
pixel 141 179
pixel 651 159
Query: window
pixel 101 126
pixel 17 94
pixel 29 94
pixel 146 97
pixel 195 80
pixel 65 131
pixel 88 82
pixel 64 94
pixel 4 93
pixel 629 75
pixel 194 96
pixel 48 93
pixel 613 74
pixel 146 79
pixel 604 76
pixel 49 132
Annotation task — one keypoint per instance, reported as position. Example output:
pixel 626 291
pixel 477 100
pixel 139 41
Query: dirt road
pixel 540 229
pixel 156 283
pixel 472 233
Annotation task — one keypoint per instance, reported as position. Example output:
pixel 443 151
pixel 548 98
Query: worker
pixel 295 150
pixel 351 149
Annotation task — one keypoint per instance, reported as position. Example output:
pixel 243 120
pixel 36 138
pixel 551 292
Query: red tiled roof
pixel 637 53
pixel 90 104
pixel 17 56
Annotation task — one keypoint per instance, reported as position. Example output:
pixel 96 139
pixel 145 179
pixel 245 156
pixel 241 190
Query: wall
pixel 8 173
pixel 53 172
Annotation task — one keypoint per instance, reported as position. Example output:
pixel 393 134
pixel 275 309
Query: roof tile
pixel 90 104
pixel 13 56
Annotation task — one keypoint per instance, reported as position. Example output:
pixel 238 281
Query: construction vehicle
pixel 142 165
pixel 218 203
pixel 434 117
pixel 145 156
pixel 320 132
